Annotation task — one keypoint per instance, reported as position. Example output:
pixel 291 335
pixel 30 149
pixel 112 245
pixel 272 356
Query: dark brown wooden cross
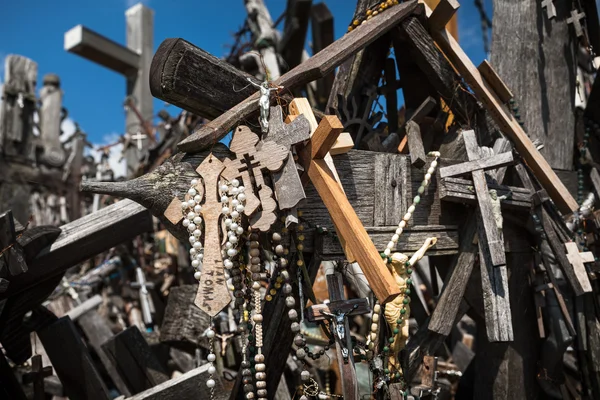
pixel 550 9
pixel 575 20
pixel 36 376
pixel 336 312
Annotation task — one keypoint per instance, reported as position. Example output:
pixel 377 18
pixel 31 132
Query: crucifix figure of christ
pixel 254 157
pixel 36 376
pixel 337 311
pixel 264 102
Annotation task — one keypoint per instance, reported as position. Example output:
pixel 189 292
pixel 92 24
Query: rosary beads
pixel 392 244
pixel 192 221
pixel 210 383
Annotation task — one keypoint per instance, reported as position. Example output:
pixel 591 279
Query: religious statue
pixel 264 102
pixel 496 207
pixel 393 309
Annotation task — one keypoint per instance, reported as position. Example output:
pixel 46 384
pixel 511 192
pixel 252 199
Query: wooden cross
pixel 476 166
pixel 132 61
pixel 550 9
pixel 336 311
pixel 288 186
pixel 252 159
pixel 575 19
pixel 577 259
pixel 36 376
pixel 213 295
pixel 354 239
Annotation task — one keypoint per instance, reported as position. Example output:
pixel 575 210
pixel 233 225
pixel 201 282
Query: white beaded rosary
pixel 192 221
pixel 426 180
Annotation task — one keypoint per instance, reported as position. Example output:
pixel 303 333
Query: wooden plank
pixel 577 259
pixel 291 45
pixel 323 138
pixel 95 47
pixel 442 14
pixel 134 360
pixel 507 123
pixel 351 229
pixel 192 384
pixel 82 239
pixel 462 191
pixel 492 78
pixel 316 67
pixel 74 367
pixel 392 174
pixel 321 21
pixel 493 162
pixel 50 120
pixel 415 144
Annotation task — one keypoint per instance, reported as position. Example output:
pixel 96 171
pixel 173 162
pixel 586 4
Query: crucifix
pixel 213 295
pixel 146 303
pixel 138 136
pixel 336 312
pixel 224 338
pixel 575 20
pixel 550 9
pixel 36 376
pixel 132 61
pixel 577 260
pixel 254 157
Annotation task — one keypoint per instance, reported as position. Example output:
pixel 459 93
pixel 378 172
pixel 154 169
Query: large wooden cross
pixel 132 61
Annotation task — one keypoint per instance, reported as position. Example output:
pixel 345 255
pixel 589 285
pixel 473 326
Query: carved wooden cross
pixel 476 166
pixel 336 311
pixel 213 295
pixel 288 186
pixel 249 165
pixel 577 259
pixel 36 376
pixel 550 9
pixel 575 20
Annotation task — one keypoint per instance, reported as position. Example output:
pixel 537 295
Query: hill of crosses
pixel 372 217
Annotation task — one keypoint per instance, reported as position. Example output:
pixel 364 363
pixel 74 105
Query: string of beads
pixel 371 12
pixel 192 221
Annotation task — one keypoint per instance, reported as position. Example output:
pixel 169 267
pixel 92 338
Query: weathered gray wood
pixel 493 162
pixel 184 324
pixel 291 45
pixel 50 120
pixel 82 239
pixel 541 106
pixel 321 21
pixel 17 107
pixel 462 191
pixel 134 360
pixel 415 145
pixel 97 331
pixel 189 385
pixel 316 67
pixel 393 189
pixel 263 35
pixel 74 367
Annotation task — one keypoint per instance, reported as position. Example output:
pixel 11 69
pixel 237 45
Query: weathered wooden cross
pixel 36 376
pixel 577 259
pixel 550 9
pixel 575 20
pixel 336 311
pixel 132 61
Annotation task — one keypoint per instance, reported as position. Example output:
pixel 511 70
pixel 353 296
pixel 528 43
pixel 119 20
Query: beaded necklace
pixel 371 12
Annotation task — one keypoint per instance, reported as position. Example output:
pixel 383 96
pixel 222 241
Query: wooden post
pixel 132 61
pixel 50 120
pixel 36 376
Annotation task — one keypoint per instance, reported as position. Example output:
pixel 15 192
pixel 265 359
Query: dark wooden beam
pixel 321 21
pixel 291 46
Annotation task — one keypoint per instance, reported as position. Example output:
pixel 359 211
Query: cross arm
pixel 348 307
pixel 484 164
pixel 314 68
pixel 95 47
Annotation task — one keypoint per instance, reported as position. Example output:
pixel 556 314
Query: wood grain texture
pixel 507 123
pixel 213 295
pixel 133 358
pixel 442 13
pixel 577 259
pixel 314 68
pixel 519 63
pixel 351 229
pixel 192 384
pixel 462 191
pixel 489 74
pixel 415 144
pixel 323 138
pixel 82 239
pixel 493 162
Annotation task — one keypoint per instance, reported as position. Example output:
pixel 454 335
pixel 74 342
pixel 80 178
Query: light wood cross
pixel 575 20
pixel 550 9
pixel 355 240
pixel 252 159
pixel 577 259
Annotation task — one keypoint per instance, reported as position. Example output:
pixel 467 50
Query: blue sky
pixel 94 95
